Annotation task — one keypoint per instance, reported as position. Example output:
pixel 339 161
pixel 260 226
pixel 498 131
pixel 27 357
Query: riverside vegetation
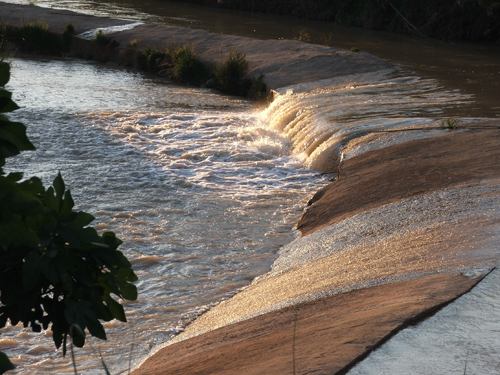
pixel 178 63
pixel 56 271
pixel 35 36
pixel 182 64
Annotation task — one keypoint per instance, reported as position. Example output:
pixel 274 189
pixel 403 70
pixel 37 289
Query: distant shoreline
pixel 444 20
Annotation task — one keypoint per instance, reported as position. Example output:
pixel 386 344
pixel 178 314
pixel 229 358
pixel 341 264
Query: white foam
pixel 90 34
pixel 321 118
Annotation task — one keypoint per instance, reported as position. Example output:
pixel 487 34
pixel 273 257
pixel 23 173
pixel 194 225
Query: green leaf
pixel 5 363
pixel 14 133
pixel 69 235
pixel 15 176
pixel 16 233
pixel 96 329
pixel 31 271
pixel 67 205
pixel 78 335
pixel 111 240
pixel 128 291
pixel 59 186
pixel 51 202
pixel 126 273
pixel 49 270
pixel 6 102
pixel 4 73
pixel 25 203
pixel 89 235
pixel 83 219
pixel 84 278
pixel 34 185
pixel 116 309
pixel 36 222
pixel 123 262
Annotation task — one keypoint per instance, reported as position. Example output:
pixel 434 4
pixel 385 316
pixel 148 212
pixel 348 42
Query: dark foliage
pixel 153 60
pixel 230 73
pixel 36 37
pixel 188 68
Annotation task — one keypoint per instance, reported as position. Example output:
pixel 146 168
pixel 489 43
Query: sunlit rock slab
pixel 389 174
pixel 321 337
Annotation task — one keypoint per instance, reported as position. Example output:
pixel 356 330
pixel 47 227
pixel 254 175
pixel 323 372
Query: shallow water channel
pixel 203 188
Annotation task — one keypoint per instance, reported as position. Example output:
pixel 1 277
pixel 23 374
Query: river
pixel 203 188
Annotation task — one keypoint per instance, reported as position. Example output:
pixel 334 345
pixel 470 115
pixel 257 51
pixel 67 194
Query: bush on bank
pixel 182 64
pixel 35 36
pixel 461 20
pixel 229 74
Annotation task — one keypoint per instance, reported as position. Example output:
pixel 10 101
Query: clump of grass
pixel 153 60
pixel 258 90
pixel 355 49
pixel 36 33
pixel 229 75
pixel 450 123
pixel 304 36
pixel 188 68
pixel 35 36
pixel 3 42
pixel 70 29
pixel 101 38
pixel 35 28
pixel 133 43
pixel 327 39
pixel 67 36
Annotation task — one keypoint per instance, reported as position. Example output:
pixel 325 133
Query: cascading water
pixel 320 119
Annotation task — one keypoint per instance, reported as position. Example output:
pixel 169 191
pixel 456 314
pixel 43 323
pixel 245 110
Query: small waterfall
pixel 325 119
